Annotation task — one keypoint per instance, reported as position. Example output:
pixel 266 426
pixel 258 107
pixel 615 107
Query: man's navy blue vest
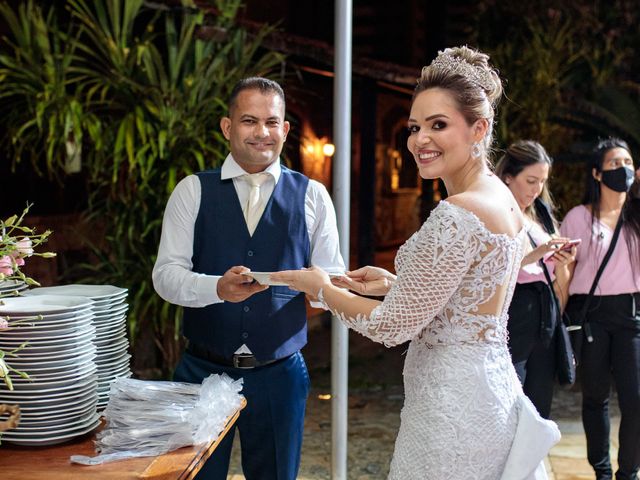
pixel 271 323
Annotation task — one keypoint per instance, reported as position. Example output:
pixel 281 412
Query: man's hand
pixel 235 287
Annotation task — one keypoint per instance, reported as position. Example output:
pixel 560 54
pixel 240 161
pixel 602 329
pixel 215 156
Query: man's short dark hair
pixel 264 85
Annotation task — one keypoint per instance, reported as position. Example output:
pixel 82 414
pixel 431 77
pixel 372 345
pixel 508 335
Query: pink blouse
pixel 532 272
pixel 618 277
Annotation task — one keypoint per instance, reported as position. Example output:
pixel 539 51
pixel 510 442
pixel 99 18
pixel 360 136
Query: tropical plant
pixel 151 94
pixel 613 111
pixel 559 60
pixel 540 68
pixel 42 119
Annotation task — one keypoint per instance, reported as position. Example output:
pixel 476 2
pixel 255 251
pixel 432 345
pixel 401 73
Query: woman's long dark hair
pixel 631 208
pixel 518 156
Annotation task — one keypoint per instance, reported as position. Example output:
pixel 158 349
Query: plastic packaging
pixel 149 418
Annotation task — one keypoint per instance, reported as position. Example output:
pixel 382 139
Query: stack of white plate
pixel 110 320
pixel 9 288
pixel 59 402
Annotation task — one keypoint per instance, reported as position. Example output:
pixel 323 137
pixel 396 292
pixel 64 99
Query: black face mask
pixel 619 179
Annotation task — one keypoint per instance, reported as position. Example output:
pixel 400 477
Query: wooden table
pixel 52 463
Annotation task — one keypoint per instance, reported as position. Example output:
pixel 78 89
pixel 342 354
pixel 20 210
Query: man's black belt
pixel 238 360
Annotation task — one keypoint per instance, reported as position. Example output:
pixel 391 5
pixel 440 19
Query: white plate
pixel 29 318
pixel 117 329
pixel 120 342
pixel 112 302
pixel 43 364
pixel 47 431
pixel 54 382
pixel 40 394
pixel 42 304
pixel 112 312
pixel 35 350
pixel 112 372
pixel 48 372
pixel 110 321
pixel 75 402
pixel 77 396
pixel 42 321
pixel 33 335
pixel 335 275
pixel 14 292
pixel 74 421
pixel 71 404
pixel 43 332
pixel 113 361
pixel 46 357
pixel 46 329
pixel 110 335
pixel 116 347
pixel 37 333
pixel 54 339
pixel 109 342
pixel 95 292
pixel 263 279
pixel 57 383
pixel 105 383
pixel 10 284
pixel 48 380
pixel 57 418
pixel 51 440
pixel 104 386
pixel 53 326
pixel 110 324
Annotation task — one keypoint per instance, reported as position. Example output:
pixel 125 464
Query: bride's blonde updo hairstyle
pixel 472 81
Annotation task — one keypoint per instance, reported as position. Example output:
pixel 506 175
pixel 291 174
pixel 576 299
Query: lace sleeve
pixel 430 267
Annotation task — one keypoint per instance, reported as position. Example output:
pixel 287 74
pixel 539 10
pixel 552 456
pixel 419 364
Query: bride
pixel 465 415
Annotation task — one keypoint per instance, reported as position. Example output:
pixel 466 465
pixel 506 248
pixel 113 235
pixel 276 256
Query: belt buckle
pixel 240 358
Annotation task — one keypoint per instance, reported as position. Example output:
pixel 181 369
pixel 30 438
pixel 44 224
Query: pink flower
pixel 3 323
pixel 25 247
pixel 6 265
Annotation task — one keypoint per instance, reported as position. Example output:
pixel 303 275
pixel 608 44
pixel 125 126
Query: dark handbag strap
pixel 547 276
pixel 605 260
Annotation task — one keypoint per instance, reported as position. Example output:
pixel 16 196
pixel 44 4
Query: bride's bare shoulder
pixel 499 214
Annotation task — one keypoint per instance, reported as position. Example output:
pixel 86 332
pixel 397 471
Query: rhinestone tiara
pixel 459 66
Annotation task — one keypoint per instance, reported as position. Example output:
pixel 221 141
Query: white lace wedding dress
pixel 465 415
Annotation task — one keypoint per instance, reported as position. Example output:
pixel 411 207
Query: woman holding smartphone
pixel 524 168
pixel 612 319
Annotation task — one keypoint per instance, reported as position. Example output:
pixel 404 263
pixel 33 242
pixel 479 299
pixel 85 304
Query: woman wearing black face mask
pixel 608 307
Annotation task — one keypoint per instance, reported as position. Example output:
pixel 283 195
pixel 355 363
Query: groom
pixel 253 213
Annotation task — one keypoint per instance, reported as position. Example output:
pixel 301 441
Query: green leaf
pixel 130 84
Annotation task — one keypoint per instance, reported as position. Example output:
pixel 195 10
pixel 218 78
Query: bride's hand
pixel 308 280
pixel 367 281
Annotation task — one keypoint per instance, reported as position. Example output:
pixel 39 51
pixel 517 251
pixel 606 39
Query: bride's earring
pixel 476 151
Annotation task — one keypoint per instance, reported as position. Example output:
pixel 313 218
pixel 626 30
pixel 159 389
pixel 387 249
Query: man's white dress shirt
pixel 172 276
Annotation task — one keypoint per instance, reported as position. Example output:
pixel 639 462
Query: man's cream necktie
pixel 255 207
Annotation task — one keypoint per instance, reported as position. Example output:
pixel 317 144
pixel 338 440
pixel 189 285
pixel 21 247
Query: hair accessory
pixel 459 66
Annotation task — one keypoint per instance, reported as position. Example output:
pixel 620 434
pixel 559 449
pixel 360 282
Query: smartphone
pixel 570 244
